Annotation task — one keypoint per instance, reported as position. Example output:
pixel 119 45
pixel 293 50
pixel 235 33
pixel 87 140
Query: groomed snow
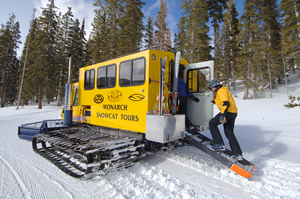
pixel 268 132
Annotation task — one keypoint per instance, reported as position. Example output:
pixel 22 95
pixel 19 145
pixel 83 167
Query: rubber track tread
pixel 84 153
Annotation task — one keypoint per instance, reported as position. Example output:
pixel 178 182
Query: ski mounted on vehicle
pixel 122 108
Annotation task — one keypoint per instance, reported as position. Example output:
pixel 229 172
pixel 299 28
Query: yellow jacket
pixel 223 98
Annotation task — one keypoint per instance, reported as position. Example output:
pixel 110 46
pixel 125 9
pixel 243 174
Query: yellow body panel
pixel 124 107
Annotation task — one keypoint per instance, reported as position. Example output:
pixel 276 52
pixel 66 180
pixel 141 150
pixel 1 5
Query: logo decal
pixel 98 98
pixel 115 96
pixel 136 97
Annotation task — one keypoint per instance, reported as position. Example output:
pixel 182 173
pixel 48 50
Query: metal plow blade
pixel 27 131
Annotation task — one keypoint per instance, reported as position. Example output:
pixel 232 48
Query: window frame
pixel 131 72
pixel 106 71
pixel 190 79
pixel 91 85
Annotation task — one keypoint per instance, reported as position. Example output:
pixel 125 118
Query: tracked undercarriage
pixel 82 152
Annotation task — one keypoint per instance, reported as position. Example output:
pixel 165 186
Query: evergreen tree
pixel 168 38
pixel 176 42
pixel 64 47
pixel 36 78
pixel 290 10
pixel 103 42
pixel 149 35
pixel 117 29
pixel 224 52
pixel 79 48
pixel 230 33
pixel 161 34
pixel 49 21
pixel 131 27
pixel 271 29
pixel 261 39
pixel 27 91
pixel 42 67
pixel 24 61
pixel 98 41
pixel 215 10
pixel 181 37
pixel 115 11
pixel 194 23
pixel 251 59
pixel 9 65
pixel 13 81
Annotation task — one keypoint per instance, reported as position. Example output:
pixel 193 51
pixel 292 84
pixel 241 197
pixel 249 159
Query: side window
pixel 106 76
pixel 111 76
pixel 132 72
pixel 101 73
pixel 125 73
pixel 138 71
pixel 75 103
pixel 198 80
pixel 89 79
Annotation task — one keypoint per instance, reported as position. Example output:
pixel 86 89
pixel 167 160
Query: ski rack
pixel 243 168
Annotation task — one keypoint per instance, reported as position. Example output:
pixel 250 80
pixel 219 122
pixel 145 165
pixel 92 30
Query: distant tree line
pixel 253 48
pixel 9 63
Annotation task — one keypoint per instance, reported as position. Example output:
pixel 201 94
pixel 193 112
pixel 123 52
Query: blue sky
pixel 23 10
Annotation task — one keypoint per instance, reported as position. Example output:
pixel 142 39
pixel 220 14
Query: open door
pixel 198 77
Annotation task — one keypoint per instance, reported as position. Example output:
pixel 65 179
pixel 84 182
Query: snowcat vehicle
pixel 124 107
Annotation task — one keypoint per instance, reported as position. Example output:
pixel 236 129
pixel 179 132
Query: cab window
pixel 198 80
pixel 132 72
pixel 89 79
pixel 106 76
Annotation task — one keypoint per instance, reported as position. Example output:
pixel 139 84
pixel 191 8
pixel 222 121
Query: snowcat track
pixel 84 153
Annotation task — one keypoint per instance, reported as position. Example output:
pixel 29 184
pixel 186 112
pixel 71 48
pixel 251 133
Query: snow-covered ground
pixel 268 132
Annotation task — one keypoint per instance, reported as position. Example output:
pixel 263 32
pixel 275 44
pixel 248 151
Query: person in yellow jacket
pixel 228 113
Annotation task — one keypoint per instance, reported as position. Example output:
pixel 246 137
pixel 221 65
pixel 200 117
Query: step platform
pixel 243 167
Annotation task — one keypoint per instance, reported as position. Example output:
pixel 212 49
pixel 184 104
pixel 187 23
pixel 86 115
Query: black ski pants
pixel 228 129
pixel 182 104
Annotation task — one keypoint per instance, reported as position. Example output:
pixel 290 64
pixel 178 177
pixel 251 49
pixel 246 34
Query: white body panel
pixel 200 113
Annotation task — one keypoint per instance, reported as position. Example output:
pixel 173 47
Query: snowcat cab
pixel 123 94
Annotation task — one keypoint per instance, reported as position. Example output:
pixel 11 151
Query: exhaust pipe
pixel 68 96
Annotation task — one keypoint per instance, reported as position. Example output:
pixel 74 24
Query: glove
pixel 213 102
pixel 222 119
pixel 195 99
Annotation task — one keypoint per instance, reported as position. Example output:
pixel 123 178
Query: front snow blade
pixel 27 131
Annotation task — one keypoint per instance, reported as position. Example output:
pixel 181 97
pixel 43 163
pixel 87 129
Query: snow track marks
pixel 18 178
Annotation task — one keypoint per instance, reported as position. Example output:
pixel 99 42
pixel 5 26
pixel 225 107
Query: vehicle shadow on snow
pixel 258 145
